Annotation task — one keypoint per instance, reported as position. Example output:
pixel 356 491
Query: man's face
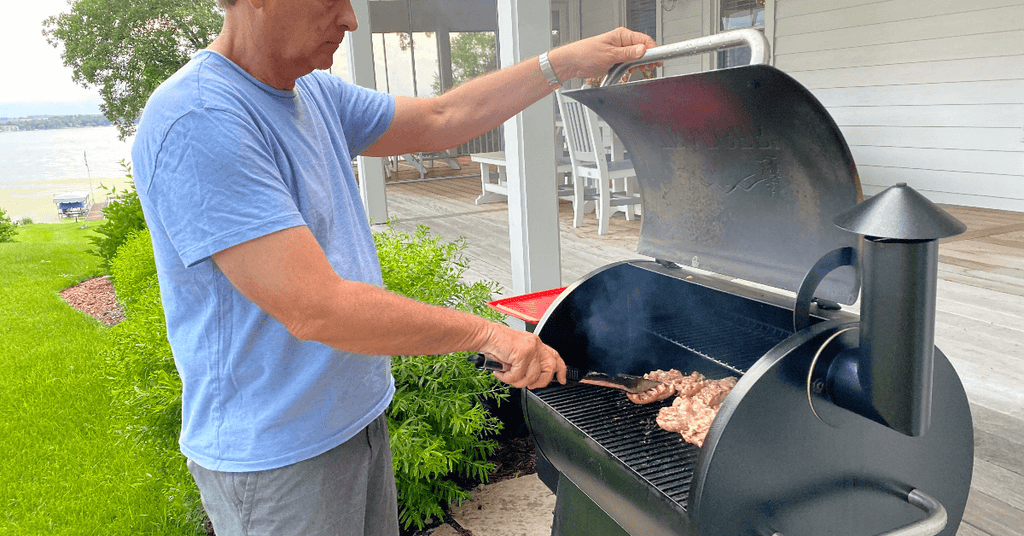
pixel 304 34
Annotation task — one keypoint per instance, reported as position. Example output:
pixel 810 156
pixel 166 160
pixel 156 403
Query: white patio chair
pixel 590 164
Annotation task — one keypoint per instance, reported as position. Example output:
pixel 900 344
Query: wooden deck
pixel 979 325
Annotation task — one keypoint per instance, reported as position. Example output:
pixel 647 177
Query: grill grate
pixel 629 432
pixel 732 341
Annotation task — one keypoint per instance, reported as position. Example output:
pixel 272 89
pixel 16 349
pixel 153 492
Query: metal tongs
pixel 624 382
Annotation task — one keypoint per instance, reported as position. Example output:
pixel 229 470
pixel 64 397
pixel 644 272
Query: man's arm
pixel 287 275
pixel 481 104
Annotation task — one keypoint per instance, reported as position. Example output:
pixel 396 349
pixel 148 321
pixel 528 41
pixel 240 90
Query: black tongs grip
pixel 482 362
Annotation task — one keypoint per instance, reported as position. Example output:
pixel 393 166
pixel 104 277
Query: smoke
pixel 630 320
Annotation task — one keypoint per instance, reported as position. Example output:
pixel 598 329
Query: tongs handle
pixel 759 50
pixel 481 362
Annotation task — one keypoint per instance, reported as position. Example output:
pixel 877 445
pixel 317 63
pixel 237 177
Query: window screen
pixel 642 16
pixel 733 15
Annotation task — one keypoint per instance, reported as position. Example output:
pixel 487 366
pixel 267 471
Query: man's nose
pixel 346 16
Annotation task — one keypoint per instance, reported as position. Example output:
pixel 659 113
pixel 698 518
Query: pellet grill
pixel 840 424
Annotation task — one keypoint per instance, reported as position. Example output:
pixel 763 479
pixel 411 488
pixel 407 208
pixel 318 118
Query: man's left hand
pixel 594 56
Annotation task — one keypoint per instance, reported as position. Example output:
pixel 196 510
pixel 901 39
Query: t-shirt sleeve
pixel 365 114
pixel 215 185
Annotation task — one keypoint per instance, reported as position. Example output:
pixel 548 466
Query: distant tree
pixel 473 54
pixel 126 48
pixel 7 228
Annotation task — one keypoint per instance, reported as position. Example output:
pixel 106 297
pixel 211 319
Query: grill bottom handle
pixel 929 526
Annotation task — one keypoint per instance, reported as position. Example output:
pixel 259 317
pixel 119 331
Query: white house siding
pixel 927 92
pixel 683 20
pixel 599 16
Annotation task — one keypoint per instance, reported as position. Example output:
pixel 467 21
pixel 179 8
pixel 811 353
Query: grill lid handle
pixel 759 50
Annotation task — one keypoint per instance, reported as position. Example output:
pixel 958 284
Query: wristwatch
pixel 549 72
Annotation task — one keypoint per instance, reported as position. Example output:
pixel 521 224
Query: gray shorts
pixel 347 491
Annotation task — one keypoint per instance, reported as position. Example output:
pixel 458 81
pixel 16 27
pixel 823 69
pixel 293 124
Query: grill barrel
pixel 742 173
pixel 769 463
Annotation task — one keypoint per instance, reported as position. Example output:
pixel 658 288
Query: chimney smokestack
pixel 899 271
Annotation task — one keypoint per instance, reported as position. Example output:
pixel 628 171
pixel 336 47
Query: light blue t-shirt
pixel 219 159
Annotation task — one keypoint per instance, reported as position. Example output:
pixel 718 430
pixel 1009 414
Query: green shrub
pixel 8 229
pixel 25 221
pixel 143 380
pixel 437 423
pixel 133 270
pixel 122 218
pixel 139 362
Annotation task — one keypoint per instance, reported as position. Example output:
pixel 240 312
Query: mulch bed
pixel 95 297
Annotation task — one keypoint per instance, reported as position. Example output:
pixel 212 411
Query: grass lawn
pixel 62 469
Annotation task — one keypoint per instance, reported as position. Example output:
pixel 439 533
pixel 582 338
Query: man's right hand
pixel 528 362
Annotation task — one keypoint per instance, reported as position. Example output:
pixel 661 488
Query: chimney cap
pixel 900 212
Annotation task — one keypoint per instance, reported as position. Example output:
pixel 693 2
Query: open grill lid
pixel 742 171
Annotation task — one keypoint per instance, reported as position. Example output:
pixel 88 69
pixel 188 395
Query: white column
pixel 444 58
pixel 524 30
pixel 360 61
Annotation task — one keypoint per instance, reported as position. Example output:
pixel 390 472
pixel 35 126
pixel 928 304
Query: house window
pixel 642 16
pixel 733 15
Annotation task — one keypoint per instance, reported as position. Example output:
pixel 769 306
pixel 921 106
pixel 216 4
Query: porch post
pixel 524 31
pixel 360 60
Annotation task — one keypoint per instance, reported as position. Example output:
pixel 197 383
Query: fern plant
pixel 438 425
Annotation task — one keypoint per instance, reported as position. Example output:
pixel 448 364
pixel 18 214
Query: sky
pixel 42 84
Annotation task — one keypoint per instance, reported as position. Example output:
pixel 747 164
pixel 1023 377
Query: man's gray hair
pixel 223 4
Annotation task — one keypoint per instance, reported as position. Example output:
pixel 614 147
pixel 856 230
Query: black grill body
pixel 835 418
pixel 770 464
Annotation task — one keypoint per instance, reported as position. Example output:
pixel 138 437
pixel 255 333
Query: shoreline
pixel 34 199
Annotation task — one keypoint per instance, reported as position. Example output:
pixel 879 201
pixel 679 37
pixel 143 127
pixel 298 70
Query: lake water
pixel 36 164
pixel 45 155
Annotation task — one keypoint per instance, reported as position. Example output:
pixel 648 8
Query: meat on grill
pixel 691 416
pixel 697 402
pixel 672 382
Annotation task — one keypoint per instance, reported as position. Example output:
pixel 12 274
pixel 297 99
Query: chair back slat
pixel 578 126
pixel 590 167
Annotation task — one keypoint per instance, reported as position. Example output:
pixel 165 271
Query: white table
pixel 494 185
pixel 416 161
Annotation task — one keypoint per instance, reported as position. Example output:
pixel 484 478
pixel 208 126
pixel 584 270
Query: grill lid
pixel 742 172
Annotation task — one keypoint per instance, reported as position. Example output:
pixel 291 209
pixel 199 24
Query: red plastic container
pixel 529 307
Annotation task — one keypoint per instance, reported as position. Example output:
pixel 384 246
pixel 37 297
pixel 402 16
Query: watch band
pixel 549 72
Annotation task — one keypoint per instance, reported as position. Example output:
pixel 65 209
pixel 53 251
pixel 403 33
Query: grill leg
pixel 577 515
pixel 545 471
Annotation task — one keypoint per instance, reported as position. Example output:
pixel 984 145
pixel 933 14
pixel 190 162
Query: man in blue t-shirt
pixel 271 286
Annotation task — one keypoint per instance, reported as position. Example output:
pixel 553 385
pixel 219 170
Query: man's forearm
pixel 364 319
pixel 481 104
pixel 484 103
